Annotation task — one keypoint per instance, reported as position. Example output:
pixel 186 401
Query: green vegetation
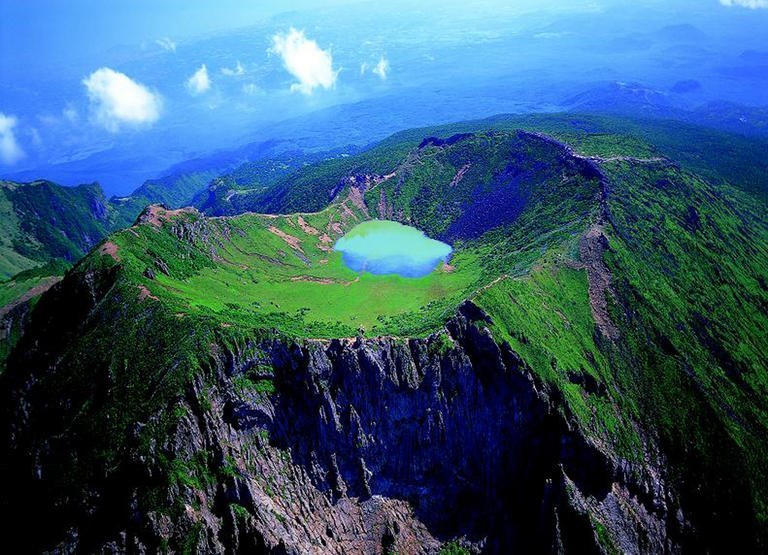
pixel 192 540
pixel 453 548
pixel 11 261
pixel 688 262
pixel 269 272
pixel 175 190
pixel 15 290
pixel 546 318
pixel 441 345
pixel 241 512
pixel 45 221
pixel 476 184
pixel 311 189
pixel 254 183
pixel 686 250
pixel 722 158
pixel 45 228
pixel 604 538
pixel 691 261
pixel 262 386
pixel 281 272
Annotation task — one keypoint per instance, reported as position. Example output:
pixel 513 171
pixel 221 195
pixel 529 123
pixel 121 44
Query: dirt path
pixel 306 228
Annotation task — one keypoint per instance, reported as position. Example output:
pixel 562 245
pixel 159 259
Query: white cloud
pixel 382 68
pixel 751 4
pixel 10 151
pixel 116 99
pixel 236 71
pixel 166 44
pixel 305 60
pixel 199 82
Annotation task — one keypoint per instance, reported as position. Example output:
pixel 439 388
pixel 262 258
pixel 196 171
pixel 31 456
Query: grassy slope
pixel 691 265
pixel 690 301
pixel 11 261
pixel 41 222
pixel 59 222
pixel 210 288
pixel 257 279
pixel 24 288
pixel 253 183
pixel 175 190
pixel 689 260
pixel 721 157
pixel 44 228
pixel 298 285
pixel 24 281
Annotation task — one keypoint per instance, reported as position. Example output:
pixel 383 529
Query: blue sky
pixel 118 91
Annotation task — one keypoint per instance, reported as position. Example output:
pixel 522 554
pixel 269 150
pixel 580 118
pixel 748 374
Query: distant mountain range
pixel 636 100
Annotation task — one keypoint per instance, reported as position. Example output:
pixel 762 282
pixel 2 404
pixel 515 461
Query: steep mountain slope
pixel 44 229
pixel 252 184
pixel 719 156
pixel 43 221
pixel 47 227
pixel 63 223
pixel 588 374
pixel 174 190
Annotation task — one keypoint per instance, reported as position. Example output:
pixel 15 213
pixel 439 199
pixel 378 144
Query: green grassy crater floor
pixel 282 272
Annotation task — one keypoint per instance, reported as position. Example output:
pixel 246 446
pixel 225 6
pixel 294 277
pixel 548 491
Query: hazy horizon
pixel 119 93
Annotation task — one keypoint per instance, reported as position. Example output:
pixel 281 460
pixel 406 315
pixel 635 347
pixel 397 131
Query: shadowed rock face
pixel 387 444
pixel 365 446
pixel 464 435
pixel 261 444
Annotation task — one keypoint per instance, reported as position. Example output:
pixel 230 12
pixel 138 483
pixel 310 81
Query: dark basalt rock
pixel 366 445
pixel 467 440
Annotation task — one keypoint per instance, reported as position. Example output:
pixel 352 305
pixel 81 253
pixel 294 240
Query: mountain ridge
pixel 233 421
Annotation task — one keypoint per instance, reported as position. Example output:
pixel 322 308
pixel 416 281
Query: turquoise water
pixel 384 247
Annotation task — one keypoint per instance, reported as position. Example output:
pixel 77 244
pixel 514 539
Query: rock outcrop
pixel 348 446
pixel 129 423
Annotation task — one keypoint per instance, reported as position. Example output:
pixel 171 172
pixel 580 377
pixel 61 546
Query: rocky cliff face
pixel 126 425
pixel 13 318
pixel 368 446
pixel 457 426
